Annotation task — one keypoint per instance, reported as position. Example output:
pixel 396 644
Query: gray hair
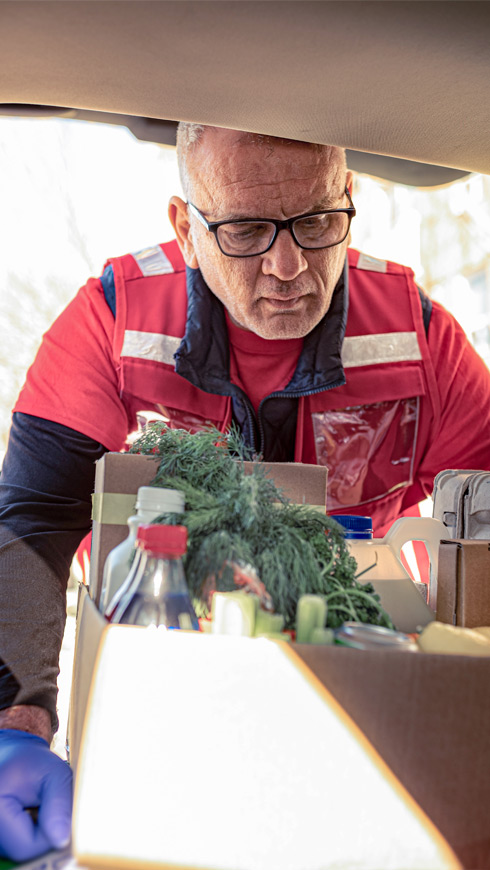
pixel 189 136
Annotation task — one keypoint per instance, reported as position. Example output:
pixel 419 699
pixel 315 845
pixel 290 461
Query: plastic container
pixel 378 562
pixel 155 591
pixel 357 635
pixel 151 501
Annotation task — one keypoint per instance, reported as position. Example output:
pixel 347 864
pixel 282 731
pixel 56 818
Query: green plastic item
pixel 311 613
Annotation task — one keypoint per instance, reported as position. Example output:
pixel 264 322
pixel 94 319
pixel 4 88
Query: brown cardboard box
pixel 118 476
pixel 463 583
pixel 428 717
pixel 89 630
pixel 254 763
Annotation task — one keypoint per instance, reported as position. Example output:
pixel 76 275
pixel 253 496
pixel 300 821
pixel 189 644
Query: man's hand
pixel 31 776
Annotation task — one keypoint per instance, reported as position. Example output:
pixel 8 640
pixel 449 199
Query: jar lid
pixel 355 526
pixel 160 499
pixel 165 540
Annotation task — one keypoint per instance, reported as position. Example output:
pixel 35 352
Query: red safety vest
pixel 371 432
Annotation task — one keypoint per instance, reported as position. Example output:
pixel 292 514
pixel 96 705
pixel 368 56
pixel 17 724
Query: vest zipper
pixel 297 394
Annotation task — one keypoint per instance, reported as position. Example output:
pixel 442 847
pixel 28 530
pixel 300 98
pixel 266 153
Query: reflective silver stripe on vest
pixel 371 264
pixel 152 261
pixel 388 347
pixel 357 350
pixel 150 345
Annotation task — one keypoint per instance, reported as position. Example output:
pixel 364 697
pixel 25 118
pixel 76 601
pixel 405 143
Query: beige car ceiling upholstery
pixel 407 79
pixel 164 133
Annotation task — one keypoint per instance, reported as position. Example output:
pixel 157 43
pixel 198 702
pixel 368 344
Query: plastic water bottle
pixel 378 562
pixel 155 591
pixel 151 501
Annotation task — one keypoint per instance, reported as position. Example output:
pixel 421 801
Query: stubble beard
pixel 257 317
pixel 312 307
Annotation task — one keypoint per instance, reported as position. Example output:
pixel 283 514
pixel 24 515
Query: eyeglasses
pixel 244 237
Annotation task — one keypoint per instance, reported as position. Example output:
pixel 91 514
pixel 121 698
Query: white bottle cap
pixel 156 498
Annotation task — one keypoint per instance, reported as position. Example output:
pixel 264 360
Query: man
pixel 253 316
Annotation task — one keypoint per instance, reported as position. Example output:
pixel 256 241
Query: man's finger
pixel 56 804
pixel 20 838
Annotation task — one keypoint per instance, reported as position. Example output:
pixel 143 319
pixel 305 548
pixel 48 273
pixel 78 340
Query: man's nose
pixel 285 260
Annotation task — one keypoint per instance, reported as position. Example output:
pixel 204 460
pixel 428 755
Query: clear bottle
pixel 151 501
pixel 156 592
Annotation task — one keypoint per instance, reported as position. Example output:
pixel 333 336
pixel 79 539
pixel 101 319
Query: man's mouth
pixel 283 303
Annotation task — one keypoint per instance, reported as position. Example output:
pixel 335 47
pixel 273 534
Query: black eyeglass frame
pixel 213 226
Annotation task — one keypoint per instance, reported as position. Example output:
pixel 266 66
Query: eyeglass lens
pixel 254 237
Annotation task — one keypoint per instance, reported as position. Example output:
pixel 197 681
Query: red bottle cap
pixel 167 540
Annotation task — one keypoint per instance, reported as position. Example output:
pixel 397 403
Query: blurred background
pixel 73 193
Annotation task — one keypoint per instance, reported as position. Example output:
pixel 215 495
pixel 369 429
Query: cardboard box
pixel 119 475
pixel 226 752
pixel 90 627
pixel 463 583
pixel 428 717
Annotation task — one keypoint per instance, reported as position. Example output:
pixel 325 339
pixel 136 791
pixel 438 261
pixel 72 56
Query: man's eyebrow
pixel 241 216
pixel 259 218
pixel 326 202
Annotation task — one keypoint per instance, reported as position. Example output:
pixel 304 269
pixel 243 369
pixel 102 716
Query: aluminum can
pixel 358 635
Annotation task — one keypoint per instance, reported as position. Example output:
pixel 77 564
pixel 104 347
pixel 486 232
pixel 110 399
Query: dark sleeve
pixel 45 508
pixel 426 304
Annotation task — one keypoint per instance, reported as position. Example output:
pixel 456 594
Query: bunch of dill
pixel 238 517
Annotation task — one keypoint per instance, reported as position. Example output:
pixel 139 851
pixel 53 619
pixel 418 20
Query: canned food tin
pixel 360 636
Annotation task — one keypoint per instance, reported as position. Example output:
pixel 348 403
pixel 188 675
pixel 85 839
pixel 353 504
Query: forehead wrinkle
pixel 220 180
pixel 243 169
pixel 282 203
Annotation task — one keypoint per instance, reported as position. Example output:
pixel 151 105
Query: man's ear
pixel 349 183
pixel 179 218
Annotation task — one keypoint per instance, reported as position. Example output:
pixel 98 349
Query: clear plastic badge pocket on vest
pixel 369 450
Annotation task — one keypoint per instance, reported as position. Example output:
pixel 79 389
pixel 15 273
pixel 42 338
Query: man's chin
pixel 286 319
pixel 283 326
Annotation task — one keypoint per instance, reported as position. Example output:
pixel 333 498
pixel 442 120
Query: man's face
pixel 285 292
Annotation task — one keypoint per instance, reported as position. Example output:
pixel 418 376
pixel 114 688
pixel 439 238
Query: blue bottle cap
pixel 355 527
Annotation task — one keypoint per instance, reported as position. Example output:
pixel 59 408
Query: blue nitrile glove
pixel 32 776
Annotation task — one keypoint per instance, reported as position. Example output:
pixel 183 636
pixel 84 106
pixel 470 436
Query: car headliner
pixel 404 79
